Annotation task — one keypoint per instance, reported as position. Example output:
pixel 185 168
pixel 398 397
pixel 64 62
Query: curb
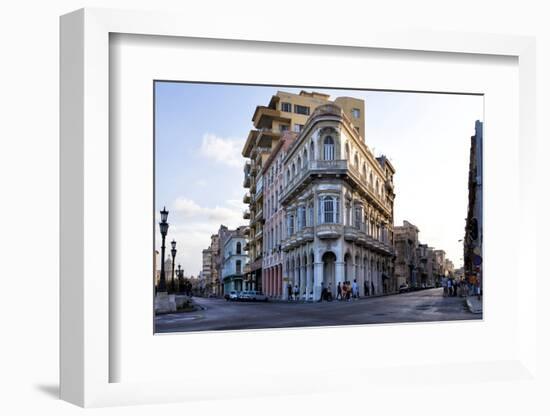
pixel 473 308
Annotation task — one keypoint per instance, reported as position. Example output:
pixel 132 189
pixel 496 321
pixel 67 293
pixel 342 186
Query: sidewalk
pixel 474 304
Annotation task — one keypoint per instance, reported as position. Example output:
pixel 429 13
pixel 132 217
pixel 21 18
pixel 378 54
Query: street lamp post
pixel 173 252
pixel 163 225
pixel 180 278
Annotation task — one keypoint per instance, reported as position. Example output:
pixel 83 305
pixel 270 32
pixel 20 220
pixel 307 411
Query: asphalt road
pixel 422 306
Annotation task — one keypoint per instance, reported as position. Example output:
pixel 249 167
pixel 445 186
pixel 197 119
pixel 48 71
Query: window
pixel 290 225
pixel 305 158
pixel 329 210
pixel 347 151
pixel 283 127
pixel 301 217
pixel 299 162
pixel 311 150
pixel 357 219
pixel 286 107
pixel 328 148
pixel 356 162
pixel 355 112
pixel 301 109
pixel 298 128
pixel 238 250
pixel 238 267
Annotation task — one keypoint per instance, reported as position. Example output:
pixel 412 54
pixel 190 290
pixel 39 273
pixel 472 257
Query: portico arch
pixel 329 270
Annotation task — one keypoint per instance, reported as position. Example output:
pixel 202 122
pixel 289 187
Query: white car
pixel 252 295
pixel 233 295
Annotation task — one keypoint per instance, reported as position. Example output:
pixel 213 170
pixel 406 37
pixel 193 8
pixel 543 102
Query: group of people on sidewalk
pixel 463 287
pixel 344 291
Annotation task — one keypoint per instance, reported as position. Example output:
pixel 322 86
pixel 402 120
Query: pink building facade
pixel 272 274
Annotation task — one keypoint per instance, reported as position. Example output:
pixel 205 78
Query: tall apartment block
pixel 284 112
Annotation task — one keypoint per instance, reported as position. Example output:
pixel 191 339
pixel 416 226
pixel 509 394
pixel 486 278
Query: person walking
pixel 449 287
pixel 329 292
pixel 339 291
pixel 289 292
pixel 355 289
pixel 296 293
pixel 372 288
pixel 366 287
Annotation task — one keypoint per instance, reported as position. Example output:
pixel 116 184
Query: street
pixel 219 314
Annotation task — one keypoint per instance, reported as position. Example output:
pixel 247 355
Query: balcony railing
pixel 350 233
pixel 246 214
pixel 327 231
pixel 246 198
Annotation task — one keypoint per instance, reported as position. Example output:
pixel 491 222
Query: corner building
pixel 338 202
pixel 285 112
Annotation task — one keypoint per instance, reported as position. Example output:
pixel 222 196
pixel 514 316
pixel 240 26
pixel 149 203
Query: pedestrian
pixel 355 289
pixel 372 288
pixel 296 292
pixel 289 290
pixel 366 287
pixel 323 292
pixel 348 290
pixel 449 287
pixel 339 292
pixel 329 292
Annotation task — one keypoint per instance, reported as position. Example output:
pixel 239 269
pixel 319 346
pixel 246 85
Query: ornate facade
pixel 338 200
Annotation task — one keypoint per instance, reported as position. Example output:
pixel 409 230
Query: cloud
pixel 229 214
pixel 191 225
pixel 226 151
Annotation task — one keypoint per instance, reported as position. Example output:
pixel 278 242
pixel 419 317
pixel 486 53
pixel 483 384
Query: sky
pixel 200 130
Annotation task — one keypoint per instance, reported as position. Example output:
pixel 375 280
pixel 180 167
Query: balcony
pixel 350 233
pixel 246 214
pixel 258 234
pixel 263 117
pixel 362 238
pixel 246 182
pixel 266 137
pixel 259 214
pixel 246 198
pixel 289 243
pixel 329 231
pixel 307 234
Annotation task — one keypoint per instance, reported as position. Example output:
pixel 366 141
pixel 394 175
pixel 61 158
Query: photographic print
pixel 293 207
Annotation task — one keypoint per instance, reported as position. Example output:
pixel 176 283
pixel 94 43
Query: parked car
pixel 252 295
pixel 242 296
pixel 256 296
pixel 233 295
pixel 403 288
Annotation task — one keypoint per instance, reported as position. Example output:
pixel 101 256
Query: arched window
pixel 238 267
pixel 288 175
pixel 328 148
pixel 347 151
pixel 238 250
pixel 299 163
pixel 356 161
pixel 329 210
pixel 312 151
pixel 305 158
pixel 364 171
pixel 293 170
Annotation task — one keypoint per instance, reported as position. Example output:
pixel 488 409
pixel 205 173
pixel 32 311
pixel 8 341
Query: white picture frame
pixel 86 355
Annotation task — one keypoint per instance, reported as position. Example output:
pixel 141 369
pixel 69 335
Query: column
pixel 308 278
pixel 340 273
pixel 317 280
